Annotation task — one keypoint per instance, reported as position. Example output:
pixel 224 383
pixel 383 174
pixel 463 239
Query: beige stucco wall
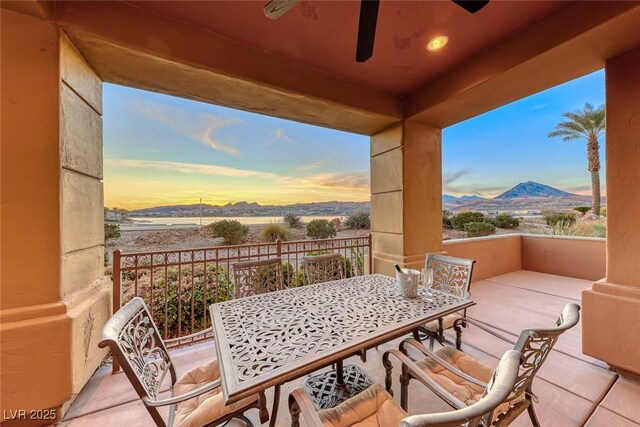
pixel 580 257
pixel 54 296
pixel 34 327
pixel 494 255
pixel 406 180
pixel 615 301
pixel 84 290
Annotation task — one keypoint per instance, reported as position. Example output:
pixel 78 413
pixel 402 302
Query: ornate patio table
pixel 269 339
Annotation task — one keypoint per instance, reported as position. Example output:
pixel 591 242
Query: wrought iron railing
pixel 178 286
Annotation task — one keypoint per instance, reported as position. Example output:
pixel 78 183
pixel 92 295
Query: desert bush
pixel 275 231
pixel 479 229
pixel 582 209
pixel 232 231
pixel 209 288
pixel 553 218
pixel 320 229
pixel 459 220
pixel 603 212
pixel 583 229
pixel 292 220
pixel 111 231
pixel 446 220
pixel 358 221
pixel 506 221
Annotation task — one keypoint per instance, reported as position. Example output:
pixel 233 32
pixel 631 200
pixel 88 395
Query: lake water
pixel 164 221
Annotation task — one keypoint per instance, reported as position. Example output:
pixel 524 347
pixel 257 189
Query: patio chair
pixel 257 277
pixel 195 398
pixel 322 268
pixel 460 376
pixel 376 407
pixel 450 275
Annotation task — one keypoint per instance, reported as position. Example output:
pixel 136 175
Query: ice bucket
pixel 408 282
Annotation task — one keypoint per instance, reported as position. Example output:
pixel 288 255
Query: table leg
pixel 276 404
pixel 340 373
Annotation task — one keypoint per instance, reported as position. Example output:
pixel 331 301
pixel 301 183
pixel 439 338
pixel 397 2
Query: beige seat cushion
pixel 207 407
pixel 462 389
pixel 374 407
pixel 447 322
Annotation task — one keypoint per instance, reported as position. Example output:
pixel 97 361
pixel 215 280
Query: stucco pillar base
pixel 611 325
pixel 87 309
pixel 31 379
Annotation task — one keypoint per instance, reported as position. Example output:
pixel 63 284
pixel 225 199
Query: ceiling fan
pixel 368 20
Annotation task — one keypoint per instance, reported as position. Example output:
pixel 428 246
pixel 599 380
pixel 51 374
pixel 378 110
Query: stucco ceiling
pixel 322 34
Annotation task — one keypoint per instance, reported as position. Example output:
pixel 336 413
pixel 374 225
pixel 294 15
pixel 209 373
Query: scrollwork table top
pixel 272 338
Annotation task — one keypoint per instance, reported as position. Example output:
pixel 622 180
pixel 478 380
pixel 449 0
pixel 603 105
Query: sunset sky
pixel 162 150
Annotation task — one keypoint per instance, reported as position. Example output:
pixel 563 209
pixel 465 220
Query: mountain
pixel 447 198
pixel 531 189
pixel 471 198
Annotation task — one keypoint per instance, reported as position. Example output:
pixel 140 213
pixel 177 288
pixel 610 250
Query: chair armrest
pixel 439 360
pixel 186 337
pixel 300 399
pixel 485 328
pixel 181 398
pixel 425 379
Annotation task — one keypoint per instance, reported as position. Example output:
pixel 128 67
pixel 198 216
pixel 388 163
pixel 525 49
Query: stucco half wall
pixel 582 258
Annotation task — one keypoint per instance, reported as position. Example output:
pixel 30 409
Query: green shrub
pixel 553 218
pixel 446 220
pixel 292 220
pixel 111 231
pixel 582 229
pixel 603 211
pixel 506 221
pixel 479 229
pixel 232 231
pixel 459 220
pixel 207 289
pixel 320 229
pixel 273 232
pixel 582 209
pixel 358 221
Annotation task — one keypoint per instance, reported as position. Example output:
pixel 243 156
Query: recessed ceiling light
pixel 437 43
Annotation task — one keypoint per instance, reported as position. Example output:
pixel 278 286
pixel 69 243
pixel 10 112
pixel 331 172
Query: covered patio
pixel 55 297
pixel 573 389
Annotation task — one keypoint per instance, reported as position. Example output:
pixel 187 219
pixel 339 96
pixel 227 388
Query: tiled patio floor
pixel 574 389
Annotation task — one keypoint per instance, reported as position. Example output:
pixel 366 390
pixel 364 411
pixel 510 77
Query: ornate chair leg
pixel 388 371
pixel 363 355
pixel 263 412
pixel 532 415
pixel 416 334
pixel 404 388
pixel 457 326
pixel 294 410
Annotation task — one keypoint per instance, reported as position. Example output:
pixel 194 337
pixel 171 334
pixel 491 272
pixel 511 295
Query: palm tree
pixel 588 124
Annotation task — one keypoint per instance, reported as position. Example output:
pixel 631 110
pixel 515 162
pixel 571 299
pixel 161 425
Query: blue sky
pixel 166 150
pixel 490 153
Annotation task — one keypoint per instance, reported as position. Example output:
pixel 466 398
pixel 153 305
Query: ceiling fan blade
pixel 471 6
pixel 367 29
pixel 276 8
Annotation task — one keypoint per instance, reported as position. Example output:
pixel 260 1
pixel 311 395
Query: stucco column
pixel 406 201
pixel 54 297
pixel 611 320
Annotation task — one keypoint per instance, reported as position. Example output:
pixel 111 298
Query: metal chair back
pixel 257 277
pixel 323 268
pixel 536 344
pixel 136 342
pixel 497 391
pixel 450 274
